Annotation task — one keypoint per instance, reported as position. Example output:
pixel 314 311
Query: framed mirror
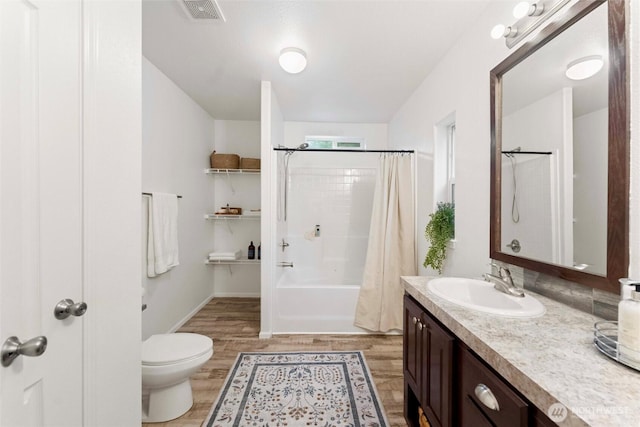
pixel 560 149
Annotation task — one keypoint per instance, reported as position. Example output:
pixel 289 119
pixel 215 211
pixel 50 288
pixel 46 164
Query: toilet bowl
pixel 168 360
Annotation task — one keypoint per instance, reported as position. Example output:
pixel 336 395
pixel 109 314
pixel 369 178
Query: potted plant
pixel 439 231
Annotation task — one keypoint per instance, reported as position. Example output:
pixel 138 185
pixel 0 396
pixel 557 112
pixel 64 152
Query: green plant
pixel 439 231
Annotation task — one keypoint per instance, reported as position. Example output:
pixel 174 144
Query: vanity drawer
pixel 480 387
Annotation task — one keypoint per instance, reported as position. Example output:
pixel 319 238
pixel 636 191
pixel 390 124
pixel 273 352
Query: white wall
pixel 112 156
pixel 459 84
pixel 271 134
pixel 243 190
pixel 177 138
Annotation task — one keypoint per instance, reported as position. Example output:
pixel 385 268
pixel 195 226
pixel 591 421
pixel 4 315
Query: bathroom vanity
pixel 459 364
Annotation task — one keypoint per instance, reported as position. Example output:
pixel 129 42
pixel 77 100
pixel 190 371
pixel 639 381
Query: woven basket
pixel 247 163
pixel 225 161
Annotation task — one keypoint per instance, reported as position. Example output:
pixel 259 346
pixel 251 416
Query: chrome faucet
pixel 503 283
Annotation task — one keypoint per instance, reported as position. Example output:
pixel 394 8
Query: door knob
pixel 12 348
pixel 67 307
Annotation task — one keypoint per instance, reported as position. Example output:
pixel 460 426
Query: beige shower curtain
pixel 391 251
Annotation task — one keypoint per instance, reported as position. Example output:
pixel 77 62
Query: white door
pixel 41 194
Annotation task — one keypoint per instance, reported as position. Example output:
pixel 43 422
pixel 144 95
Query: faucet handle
pixel 502 271
pixel 496 266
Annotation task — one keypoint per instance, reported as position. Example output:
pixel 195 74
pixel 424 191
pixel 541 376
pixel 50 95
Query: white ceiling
pixel 365 58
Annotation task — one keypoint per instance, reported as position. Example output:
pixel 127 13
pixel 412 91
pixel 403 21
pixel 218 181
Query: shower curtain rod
pixel 149 194
pixel 527 152
pixel 339 150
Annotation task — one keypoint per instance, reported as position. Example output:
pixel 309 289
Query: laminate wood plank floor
pixel 234 324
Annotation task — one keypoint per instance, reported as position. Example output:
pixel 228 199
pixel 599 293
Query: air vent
pixel 203 10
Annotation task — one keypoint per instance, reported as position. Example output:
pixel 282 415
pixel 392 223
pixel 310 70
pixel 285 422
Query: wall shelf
pixel 215 217
pixel 232 262
pixel 232 171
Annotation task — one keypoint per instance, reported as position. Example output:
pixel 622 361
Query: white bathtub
pixel 311 302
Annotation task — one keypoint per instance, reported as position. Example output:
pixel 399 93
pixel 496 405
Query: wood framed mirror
pixel 560 150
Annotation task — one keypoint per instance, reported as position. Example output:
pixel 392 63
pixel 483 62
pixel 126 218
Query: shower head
pixel 302 146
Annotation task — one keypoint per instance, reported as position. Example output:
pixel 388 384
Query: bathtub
pixel 310 301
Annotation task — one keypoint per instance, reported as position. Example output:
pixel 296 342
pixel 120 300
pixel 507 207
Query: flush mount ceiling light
pixel 293 60
pixel 584 68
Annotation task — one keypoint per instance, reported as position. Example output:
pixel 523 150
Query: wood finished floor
pixel 234 324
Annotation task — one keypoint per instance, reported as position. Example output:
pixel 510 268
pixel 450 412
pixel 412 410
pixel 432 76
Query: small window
pixel 451 163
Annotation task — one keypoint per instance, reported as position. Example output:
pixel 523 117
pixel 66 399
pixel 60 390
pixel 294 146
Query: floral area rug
pixel 298 389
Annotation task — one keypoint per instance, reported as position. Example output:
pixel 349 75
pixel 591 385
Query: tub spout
pixel 285 264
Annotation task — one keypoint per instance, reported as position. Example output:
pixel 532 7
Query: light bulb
pixel 497 31
pixel 521 9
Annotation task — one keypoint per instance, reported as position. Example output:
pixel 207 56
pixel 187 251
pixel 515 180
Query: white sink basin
pixel 481 296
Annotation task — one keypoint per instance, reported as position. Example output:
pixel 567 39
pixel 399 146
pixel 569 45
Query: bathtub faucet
pixel 285 264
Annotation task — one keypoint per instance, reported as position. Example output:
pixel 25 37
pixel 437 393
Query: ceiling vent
pixel 203 10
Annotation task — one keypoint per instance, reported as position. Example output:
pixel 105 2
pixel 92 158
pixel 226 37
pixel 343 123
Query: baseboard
pixel 265 335
pixel 236 295
pixel 192 313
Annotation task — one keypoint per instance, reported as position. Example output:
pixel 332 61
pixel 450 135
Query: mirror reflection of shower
pixel 515 213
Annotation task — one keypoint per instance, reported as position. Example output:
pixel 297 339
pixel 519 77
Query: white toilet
pixel 168 360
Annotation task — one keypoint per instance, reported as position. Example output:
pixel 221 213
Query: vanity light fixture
pixel 583 68
pixel 529 15
pixel 293 60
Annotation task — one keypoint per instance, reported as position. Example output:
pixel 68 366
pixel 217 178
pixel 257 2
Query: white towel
pixel 162 243
pixel 225 255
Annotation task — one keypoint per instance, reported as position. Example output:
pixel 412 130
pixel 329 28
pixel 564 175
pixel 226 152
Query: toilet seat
pixel 167 349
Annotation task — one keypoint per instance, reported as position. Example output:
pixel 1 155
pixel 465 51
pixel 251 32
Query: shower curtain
pixel 391 250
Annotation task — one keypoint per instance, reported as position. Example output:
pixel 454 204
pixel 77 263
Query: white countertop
pixel 548 359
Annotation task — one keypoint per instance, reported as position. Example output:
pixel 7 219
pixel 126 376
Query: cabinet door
pixel 412 348
pixel 437 372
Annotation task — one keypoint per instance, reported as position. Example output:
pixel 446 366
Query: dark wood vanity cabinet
pixel 451 384
pixel 428 366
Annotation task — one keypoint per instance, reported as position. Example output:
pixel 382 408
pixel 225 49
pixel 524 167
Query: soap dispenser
pixel 251 252
pixel 629 327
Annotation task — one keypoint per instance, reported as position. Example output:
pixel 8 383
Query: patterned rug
pixel 298 389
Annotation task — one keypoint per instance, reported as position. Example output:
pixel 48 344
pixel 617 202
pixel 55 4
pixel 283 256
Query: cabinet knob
pixel 415 320
pixel 420 325
pixel 486 397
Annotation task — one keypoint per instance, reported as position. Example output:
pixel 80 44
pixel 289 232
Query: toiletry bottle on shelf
pixel 251 253
pixel 259 250
pixel 629 327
